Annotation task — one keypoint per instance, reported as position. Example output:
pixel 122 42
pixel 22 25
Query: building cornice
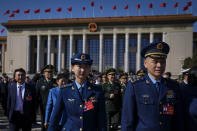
pixel 3 38
pixel 135 20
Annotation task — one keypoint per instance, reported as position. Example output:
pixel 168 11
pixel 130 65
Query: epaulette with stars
pixel 67 85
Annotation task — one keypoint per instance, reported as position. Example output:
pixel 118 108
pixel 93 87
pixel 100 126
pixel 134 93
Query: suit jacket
pixel 146 109
pixel 53 94
pixel 28 101
pixel 91 117
pixel 193 111
pixel 190 101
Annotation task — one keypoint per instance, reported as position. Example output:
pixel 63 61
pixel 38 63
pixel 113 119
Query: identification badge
pixel 29 98
pixel 168 110
pixel 88 106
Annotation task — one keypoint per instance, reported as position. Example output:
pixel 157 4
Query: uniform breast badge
pixel 88 106
pixel 168 109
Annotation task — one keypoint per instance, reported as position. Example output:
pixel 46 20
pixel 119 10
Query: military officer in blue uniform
pixel 153 103
pixel 82 101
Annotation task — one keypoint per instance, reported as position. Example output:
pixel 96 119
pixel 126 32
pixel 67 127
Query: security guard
pixel 113 104
pixel 83 101
pixel 140 73
pixel 104 78
pixel 190 100
pixel 43 86
pixel 123 82
pixel 153 103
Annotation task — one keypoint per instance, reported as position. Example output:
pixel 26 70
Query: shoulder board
pixel 67 85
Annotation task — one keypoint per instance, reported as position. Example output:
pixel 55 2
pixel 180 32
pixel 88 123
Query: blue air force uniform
pixel 52 98
pixel 153 105
pixel 85 110
pixel 144 109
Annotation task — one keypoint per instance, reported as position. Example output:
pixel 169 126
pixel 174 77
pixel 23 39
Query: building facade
pixel 111 42
pixel 3 45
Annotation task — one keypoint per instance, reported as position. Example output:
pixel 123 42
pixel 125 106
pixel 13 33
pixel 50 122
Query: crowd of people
pixel 91 101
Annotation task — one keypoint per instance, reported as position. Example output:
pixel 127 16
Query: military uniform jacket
pixel 115 103
pixel 84 112
pixel 146 109
pixel 43 88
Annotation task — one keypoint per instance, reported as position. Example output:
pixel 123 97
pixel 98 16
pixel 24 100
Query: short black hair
pixel 192 76
pixel 18 70
pixel 61 75
pixel 169 74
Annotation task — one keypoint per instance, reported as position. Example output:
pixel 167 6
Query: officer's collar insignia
pixel 83 57
pixel 147 82
pixel 89 88
pixel 160 46
pixel 170 94
pixel 73 88
pixel 92 98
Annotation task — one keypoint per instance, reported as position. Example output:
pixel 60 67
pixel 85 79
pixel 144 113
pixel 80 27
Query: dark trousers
pixel 113 119
pixel 19 122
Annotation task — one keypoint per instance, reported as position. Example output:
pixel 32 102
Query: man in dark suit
pixel 82 101
pixel 21 102
pixel 153 103
pixel 4 92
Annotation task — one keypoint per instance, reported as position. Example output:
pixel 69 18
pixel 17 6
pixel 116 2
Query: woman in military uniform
pixel 82 101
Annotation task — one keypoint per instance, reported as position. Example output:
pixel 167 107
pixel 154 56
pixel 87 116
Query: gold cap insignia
pixel 83 57
pixel 160 46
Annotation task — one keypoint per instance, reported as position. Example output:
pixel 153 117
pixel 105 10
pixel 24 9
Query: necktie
pixel 158 86
pixel 20 100
pixel 81 91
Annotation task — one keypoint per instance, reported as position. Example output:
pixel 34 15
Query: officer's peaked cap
pixel 81 58
pixel 156 49
pixel 48 68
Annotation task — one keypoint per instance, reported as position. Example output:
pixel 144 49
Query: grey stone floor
pixel 4 122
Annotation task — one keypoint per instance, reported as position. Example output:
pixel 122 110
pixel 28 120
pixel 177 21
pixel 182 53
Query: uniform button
pixel 80 129
pixel 81 117
pixel 161 123
pixel 160 102
pixel 160 112
pixel 81 106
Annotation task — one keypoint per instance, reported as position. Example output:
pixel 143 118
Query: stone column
pixel 114 50
pixel 138 61
pixel 126 62
pixel 28 53
pixel 164 36
pixel 49 49
pixel 59 52
pixel 151 37
pixel 71 50
pixel 38 53
pixel 101 53
pixel 84 43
